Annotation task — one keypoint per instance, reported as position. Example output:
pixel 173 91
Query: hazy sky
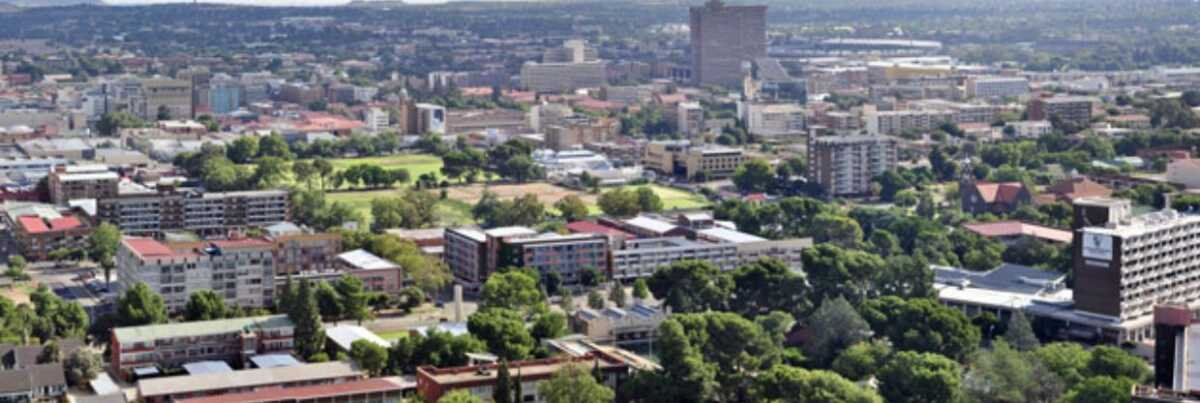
pixel 266 2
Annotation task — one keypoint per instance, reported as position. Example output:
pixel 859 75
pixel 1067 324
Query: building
pixel 224 95
pixel 172 97
pixel 1071 189
pixel 1125 265
pixel 572 51
pixel 433 383
pixel 40 232
pixel 387 389
pixel 994 198
pixel 724 42
pixel 636 325
pixel 1184 172
pixel 700 162
pixel 773 121
pixel 71 182
pixel 1012 232
pixel 473 255
pixel 575 132
pixel 1075 110
pixel 690 119
pixel 377 274
pixel 845 165
pixel 1176 332
pixel 170 345
pixel 299 252
pixel 242 271
pixel 563 77
pixel 212 213
pixel 176 388
pixel 997 87
pixel 24 379
pixel 637 258
pixel 897 122
pixel 377 119
pixel 1028 129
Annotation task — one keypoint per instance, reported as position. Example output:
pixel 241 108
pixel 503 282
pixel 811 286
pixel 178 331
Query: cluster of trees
pixel 508 300
pixel 412 209
pixel 492 212
pixel 512 160
pixel 649 122
pixel 370 176
pixel 758 176
pixel 626 202
pixel 219 169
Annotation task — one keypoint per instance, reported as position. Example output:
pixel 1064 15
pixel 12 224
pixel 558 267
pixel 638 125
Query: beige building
pixel 563 77
pixel 573 133
pixel 774 120
pixel 241 271
pixel 71 182
pixel 680 158
pixel 175 96
pixel 691 119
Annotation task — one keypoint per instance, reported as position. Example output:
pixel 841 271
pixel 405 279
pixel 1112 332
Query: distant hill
pixel 48 3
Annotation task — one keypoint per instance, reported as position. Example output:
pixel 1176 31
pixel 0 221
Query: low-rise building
pixel 1011 232
pixel 635 325
pixel 175 388
pixel 387 389
pixel 71 182
pixel 997 87
pixel 38 235
pixel 377 274
pixel 479 380
pixel 170 345
pixel 773 121
pixel 897 122
pixel 702 162
pixel 690 116
pixel 1076 110
pixel 992 197
pixel 1028 129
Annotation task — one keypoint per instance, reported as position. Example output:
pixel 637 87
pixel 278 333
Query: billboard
pixel 1097 246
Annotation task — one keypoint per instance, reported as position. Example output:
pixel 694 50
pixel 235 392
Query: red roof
pixel 1080 187
pixel 588 227
pixel 146 247
pixel 312 392
pixel 1005 192
pixel 1017 228
pixel 65 223
pixel 33 224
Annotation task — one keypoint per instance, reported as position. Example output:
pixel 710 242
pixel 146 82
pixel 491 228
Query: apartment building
pixel 690 116
pixel 997 87
pixel 38 235
pixel 725 40
pixel 171 96
pixel 211 213
pixel 896 122
pixel 304 252
pixel 242 271
pixel 1077 110
pixel 473 255
pixel 711 161
pixel 572 51
pixel 637 258
pixel 573 133
pixel 1028 129
pixel 563 77
pixel 71 182
pixel 388 389
pixel 1125 265
pixel 177 388
pixel 466 256
pixel 844 166
pixel 479 380
pixel 171 345
pixel 772 121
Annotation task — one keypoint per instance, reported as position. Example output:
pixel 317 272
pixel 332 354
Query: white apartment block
pixel 691 119
pixel 1028 129
pixel 997 87
pixel 774 120
pixel 241 271
pixel 896 122
pixel 377 119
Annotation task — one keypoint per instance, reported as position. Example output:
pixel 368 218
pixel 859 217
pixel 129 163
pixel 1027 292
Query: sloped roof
pixel 1017 228
pixel 1002 192
pixel 1080 187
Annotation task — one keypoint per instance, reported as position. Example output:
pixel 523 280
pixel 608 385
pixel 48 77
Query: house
pixel 991 197
pixel 23 379
pixel 1071 189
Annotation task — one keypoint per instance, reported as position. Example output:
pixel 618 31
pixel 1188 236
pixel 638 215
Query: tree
pixel 617 295
pixel 204 305
pixel 436 348
pixel 648 201
pixel 460 396
pixel 838 230
pixel 685 377
pixel 571 208
pixel 738 347
pixel 835 325
pixel 549 325
pixel 566 301
pixel 691 286
pixel 329 302
pixel 922 324
pixel 620 202
pixel 754 176
pixel 243 150
pixel 111 123
pixel 863 359
pixel 140 305
pixel 1003 374
pixel 641 291
pixel 768 285
pixel 81 366
pixel 574 384
pixel 50 353
pixel 504 332
pixel 835 272
pixel 1020 333
pixel 370 356
pixel 308 335
pixel 783 383
pixel 502 391
pixel 303 171
pixel 912 377
pixel 514 289
pixel 1116 363
pixel 16 268
pixel 595 300
pixel 1100 389
pixel 274 145
pixel 353 298
pixel 102 246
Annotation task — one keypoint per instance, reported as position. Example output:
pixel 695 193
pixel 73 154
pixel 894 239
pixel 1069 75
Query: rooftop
pixel 532 369
pixel 246 378
pixel 589 227
pixel 312 392
pixel 504 232
pixel 1007 277
pixel 89 176
pixel 363 260
pixel 1017 228
pixel 150 248
pixel 345 336
pixel 728 235
pixel 650 224
pixel 136 334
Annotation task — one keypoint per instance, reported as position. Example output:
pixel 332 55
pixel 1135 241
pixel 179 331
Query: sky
pixel 263 2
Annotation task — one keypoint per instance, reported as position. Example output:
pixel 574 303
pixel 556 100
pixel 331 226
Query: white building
pixel 997 87
pixel 1184 172
pixel 1028 129
pixel 691 119
pixel 773 120
pixel 377 119
pixel 896 122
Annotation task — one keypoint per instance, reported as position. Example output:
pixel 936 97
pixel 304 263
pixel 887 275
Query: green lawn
pixel 416 164
pixel 451 213
pixel 675 199
pixel 394 335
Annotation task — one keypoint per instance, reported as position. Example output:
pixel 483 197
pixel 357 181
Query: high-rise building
pixel 773 121
pixel 204 213
pixel 224 94
pixel 691 119
pixel 725 41
pixel 844 166
pixel 563 77
pixel 173 97
pixel 1077 110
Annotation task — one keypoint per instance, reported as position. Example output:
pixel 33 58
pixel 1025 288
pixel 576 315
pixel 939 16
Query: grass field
pixel 416 164
pixel 456 209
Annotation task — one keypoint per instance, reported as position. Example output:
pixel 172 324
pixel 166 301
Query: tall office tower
pixel 725 40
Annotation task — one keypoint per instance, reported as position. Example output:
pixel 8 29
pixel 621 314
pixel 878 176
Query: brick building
pixel 171 345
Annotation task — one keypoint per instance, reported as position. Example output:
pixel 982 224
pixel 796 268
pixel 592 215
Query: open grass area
pixel 676 199
pixel 450 212
pixel 393 335
pixel 416 164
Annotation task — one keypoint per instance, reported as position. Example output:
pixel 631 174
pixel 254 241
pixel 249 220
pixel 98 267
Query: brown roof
pixel 37 376
pixel 1004 192
pixel 1017 228
pixel 1075 188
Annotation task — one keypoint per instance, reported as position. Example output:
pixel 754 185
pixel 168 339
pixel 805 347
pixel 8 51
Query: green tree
pixel 691 286
pixel 1100 389
pixel 514 289
pixel 502 391
pixel 308 335
pixel 863 359
pixel 274 145
pixel 912 377
pixel 111 123
pixel 921 324
pixel 641 291
pixel 796 385
pixel 102 246
pixel 754 176
pixel 81 366
pixel 648 201
pixel 50 353
pixel 837 230
pixel 329 302
pixel 1020 333
pixel 571 208
pixel 204 305
pixel 1004 374
pixel 140 305
pixel 738 347
pixel 768 285
pixel 595 300
pixel 549 325
pixel 835 326
pixel 370 356
pixel 460 396
pixel 243 150
pixel 620 202
pixel 504 332
pixel 616 294
pixel 353 298
pixel 435 348
pixel 574 384
pixel 1117 363
pixel 685 377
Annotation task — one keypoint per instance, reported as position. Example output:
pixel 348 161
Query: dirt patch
pixel 546 193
